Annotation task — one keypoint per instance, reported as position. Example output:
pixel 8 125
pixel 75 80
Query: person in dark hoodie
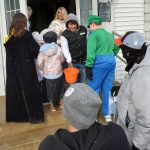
pixel 80 107
pixel 73 44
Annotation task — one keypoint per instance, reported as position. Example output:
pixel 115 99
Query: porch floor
pixel 27 136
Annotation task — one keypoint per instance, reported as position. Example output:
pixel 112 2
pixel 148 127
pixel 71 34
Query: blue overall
pixel 103 72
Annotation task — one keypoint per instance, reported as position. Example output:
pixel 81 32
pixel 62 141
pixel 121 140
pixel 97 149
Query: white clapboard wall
pixel 128 16
pixel 147 20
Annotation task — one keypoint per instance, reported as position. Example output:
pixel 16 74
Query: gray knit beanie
pixel 73 17
pixel 81 105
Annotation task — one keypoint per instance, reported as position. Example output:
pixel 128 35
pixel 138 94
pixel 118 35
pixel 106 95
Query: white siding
pixel 128 16
pixel 147 20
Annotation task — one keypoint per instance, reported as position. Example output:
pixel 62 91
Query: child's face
pixel 72 26
pixel 60 15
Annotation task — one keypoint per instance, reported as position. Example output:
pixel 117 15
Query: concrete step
pixel 51 119
pixel 27 136
pixel 28 139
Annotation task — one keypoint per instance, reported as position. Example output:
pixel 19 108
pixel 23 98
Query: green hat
pixel 94 19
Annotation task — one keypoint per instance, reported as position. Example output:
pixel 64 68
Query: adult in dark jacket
pixel 23 98
pixel 81 106
pixel 73 43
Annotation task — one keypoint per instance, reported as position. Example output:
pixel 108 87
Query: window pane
pixel 17 11
pixel 8 20
pixel 104 10
pixel 7 6
pixel 85 10
pixel 12 5
pixel 17 4
pixel 12 14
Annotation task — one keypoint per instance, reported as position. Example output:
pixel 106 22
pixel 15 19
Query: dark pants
pixel 43 91
pixel 54 89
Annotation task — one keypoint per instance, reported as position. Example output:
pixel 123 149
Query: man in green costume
pixel 100 61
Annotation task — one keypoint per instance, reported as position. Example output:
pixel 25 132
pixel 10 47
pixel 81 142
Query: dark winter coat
pixel 23 98
pixel 97 137
pixel 76 42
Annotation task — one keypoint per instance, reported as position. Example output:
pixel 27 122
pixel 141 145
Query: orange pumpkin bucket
pixel 71 75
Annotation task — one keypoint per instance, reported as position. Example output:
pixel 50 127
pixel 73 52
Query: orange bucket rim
pixel 71 74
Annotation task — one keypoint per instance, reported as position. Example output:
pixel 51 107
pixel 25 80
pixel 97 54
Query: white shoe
pixel 52 108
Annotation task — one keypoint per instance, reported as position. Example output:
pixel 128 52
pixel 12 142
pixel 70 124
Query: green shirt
pixel 100 42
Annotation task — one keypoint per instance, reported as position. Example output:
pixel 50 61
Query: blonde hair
pixel 64 12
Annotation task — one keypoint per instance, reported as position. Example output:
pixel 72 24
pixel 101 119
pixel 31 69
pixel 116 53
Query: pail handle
pixel 70 65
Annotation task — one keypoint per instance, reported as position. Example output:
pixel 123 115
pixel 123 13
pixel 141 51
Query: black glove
pixel 88 71
pixel 115 90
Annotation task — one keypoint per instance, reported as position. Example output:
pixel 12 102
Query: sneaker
pixel 61 103
pixel 108 118
pixel 52 108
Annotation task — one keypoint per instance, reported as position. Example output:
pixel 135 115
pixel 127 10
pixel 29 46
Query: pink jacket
pixel 50 60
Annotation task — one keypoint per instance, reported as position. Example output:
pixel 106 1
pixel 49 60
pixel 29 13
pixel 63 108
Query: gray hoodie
pixel 70 17
pixel 134 98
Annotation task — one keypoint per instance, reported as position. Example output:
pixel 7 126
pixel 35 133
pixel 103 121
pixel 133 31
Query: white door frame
pixel 3 33
pixel 23 7
pixel 94 7
pixel 78 9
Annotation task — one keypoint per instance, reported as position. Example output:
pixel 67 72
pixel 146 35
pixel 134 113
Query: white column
pixel 2 63
pixel 94 7
pixel 23 6
pixel 78 9
pixel 3 33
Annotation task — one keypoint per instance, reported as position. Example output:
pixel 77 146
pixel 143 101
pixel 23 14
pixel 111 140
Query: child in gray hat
pixel 81 106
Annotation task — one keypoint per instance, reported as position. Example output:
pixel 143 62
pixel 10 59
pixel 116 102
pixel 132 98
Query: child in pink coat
pixel 50 61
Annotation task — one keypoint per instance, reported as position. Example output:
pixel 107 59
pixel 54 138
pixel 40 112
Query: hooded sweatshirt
pixel 97 137
pixel 49 60
pixel 134 99
pixel 74 43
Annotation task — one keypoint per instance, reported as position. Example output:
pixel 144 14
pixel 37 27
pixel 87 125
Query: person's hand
pixel 88 71
pixel 70 65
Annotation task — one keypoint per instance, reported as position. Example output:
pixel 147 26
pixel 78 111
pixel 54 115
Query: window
pixel 104 10
pixel 85 10
pixel 11 7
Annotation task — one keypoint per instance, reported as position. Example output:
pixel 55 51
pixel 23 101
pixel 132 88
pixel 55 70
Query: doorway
pixel 44 11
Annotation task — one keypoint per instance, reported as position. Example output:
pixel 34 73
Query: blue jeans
pixel 82 75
